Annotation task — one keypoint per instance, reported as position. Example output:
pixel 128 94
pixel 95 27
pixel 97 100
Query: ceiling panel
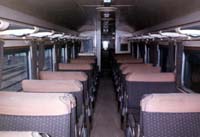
pixel 63 12
pixel 149 13
pixel 75 13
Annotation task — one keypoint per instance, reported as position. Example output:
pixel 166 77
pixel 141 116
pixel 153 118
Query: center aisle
pixel 106 119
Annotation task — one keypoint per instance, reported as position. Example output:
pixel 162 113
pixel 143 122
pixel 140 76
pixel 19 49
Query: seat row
pixel 137 85
pixel 59 104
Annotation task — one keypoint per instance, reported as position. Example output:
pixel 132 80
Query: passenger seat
pixel 170 115
pixel 61 86
pixel 139 84
pixel 47 113
pixel 80 76
pixel 88 69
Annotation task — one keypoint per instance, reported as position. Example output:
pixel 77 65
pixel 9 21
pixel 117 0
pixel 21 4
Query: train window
pixel 167 58
pixel 77 48
pixel 87 46
pixel 192 69
pixel 63 54
pixel 124 47
pixel 152 54
pixel 141 50
pixel 15 69
pixel 48 62
pixel 135 50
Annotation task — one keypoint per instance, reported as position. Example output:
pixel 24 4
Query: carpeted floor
pixel 106 119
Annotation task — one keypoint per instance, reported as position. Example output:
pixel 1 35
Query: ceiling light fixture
pixel 54 36
pixel 4 25
pixel 190 32
pixel 66 37
pixel 173 35
pixel 42 34
pixel 19 32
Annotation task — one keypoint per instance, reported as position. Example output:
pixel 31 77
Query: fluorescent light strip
pixel 56 36
pixel 190 32
pixel 19 32
pixel 173 35
pixel 66 37
pixel 147 37
pixel 157 36
pixel 41 34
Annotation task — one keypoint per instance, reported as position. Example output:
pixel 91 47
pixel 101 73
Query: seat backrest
pixel 82 61
pixel 124 66
pixel 146 68
pixel 21 134
pixel 87 68
pixel 46 113
pixel 71 67
pixel 73 75
pixel 139 84
pixel 66 86
pixel 170 115
pixel 56 86
pixel 129 61
pixel 150 77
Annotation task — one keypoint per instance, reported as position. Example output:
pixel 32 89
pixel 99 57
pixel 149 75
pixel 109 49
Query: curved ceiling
pixel 73 14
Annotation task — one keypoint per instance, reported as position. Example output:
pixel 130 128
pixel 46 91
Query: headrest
pixel 82 61
pixel 35 104
pixel 129 60
pixel 52 86
pixel 124 66
pixel 48 75
pixel 19 134
pixel 151 77
pixel 171 103
pixel 142 69
pixel 62 66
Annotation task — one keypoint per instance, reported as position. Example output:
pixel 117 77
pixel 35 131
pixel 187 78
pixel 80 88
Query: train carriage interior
pixel 99 68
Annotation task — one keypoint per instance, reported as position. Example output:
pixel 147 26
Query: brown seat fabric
pixel 48 75
pixel 71 67
pixel 56 86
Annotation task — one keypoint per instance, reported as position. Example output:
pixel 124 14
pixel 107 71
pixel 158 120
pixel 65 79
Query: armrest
pixel 83 131
pixel 44 135
pixel 81 126
pixel 131 121
pixel 129 132
pixel 132 128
